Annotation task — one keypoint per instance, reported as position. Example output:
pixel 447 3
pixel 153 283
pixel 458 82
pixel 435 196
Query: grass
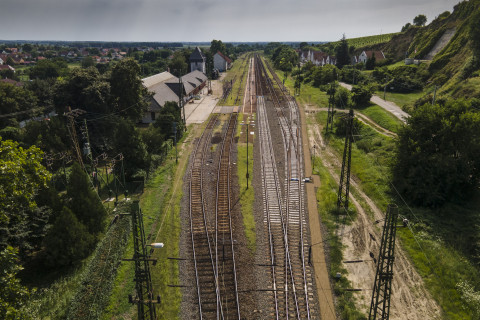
pixel 247 196
pixel 437 239
pixel 402 99
pixel 158 203
pixel 326 202
pixel 239 68
pixel 382 117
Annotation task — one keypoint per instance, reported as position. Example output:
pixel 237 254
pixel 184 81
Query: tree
pixel 84 202
pixel 15 99
pixel 343 58
pixel 10 61
pixel 44 69
pixel 128 93
pixel 128 142
pixel 85 89
pixel 406 27
pixel 361 96
pixel 21 175
pixel 420 20
pixel 87 62
pixel 12 294
pixel 178 65
pixel 438 152
pixel 217 45
pixel 370 64
pixel 68 241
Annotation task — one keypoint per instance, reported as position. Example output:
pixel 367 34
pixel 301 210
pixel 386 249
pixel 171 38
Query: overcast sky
pixel 204 20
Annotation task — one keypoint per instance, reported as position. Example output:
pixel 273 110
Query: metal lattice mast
pixel 72 130
pixel 331 107
pixel 344 186
pixel 144 298
pixel 382 288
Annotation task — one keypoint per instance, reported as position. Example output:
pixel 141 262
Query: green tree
pixel 84 202
pixel 68 241
pixel 128 93
pixel 361 96
pixel 85 89
pixel 128 142
pixel 12 294
pixel 178 65
pixel 45 69
pixel 420 20
pixel 370 64
pixel 14 99
pixel 10 61
pixel 438 152
pixel 406 27
pixel 87 62
pixel 343 58
pixel 21 175
pixel 217 45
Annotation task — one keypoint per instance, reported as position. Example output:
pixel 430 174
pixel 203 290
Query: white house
pixel 318 58
pixel 221 61
pixel 1 61
pixel 365 55
pixel 197 60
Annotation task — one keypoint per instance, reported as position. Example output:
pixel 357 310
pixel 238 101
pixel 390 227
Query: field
pixel 369 40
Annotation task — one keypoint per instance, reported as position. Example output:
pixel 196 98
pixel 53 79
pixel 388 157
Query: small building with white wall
pixel 221 62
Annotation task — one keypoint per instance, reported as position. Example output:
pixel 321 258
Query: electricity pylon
pixel 382 288
pixel 331 107
pixel 344 186
pixel 144 298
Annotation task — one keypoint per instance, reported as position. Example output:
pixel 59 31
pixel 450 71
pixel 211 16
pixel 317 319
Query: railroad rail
pixel 224 240
pixel 203 248
pixel 284 216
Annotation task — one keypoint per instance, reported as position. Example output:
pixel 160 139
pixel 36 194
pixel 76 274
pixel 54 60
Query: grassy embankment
pixel 247 196
pixel 435 242
pixel 160 205
pixel 239 68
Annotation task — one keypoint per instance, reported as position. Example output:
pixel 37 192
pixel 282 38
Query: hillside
pixel 446 46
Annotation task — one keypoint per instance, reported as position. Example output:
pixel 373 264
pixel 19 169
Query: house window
pixel 152 115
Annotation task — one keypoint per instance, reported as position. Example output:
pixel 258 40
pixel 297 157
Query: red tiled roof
pixel 224 57
pixel 378 55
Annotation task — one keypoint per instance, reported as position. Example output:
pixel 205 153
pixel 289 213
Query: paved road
pixel 387 105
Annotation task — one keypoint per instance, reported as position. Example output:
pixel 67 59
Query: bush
pixel 361 96
pixel 68 241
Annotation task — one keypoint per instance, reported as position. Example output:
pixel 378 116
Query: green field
pixel 369 40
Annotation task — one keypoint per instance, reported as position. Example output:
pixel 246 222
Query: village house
pixel 318 58
pixel 6 67
pixel 221 62
pixel 365 55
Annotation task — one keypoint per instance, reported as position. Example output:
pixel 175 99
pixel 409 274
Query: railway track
pixel 224 240
pixel 212 237
pixel 203 248
pixel 284 216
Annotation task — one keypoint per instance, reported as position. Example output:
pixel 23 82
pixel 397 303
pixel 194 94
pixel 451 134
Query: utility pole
pixel 248 133
pixel 181 105
pixel 144 298
pixel 382 288
pixel 344 187
pixel 331 107
pixel 71 115
pixel 175 140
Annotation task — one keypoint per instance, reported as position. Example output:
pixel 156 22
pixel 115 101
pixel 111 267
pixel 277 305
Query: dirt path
pixel 361 117
pixel 324 290
pixel 390 106
pixel 410 300
pixel 441 43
